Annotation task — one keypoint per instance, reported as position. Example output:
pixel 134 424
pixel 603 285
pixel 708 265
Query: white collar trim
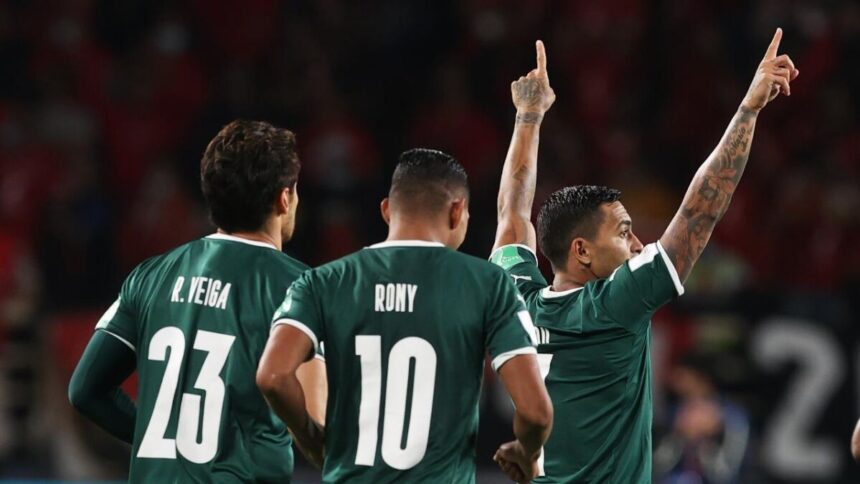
pixel 406 243
pixel 220 236
pixel 549 293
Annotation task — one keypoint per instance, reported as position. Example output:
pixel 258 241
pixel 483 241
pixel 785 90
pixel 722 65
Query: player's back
pixel 405 326
pixel 598 375
pixel 201 314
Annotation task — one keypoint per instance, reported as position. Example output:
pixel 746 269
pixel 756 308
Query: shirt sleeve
pixel 508 328
pixel 521 263
pixel 638 288
pixel 301 310
pixel 94 389
pixel 120 320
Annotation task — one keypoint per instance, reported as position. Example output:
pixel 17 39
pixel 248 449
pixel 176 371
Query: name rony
pixel 202 290
pixel 398 298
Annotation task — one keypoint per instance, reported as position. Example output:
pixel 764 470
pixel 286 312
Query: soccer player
pixel 193 322
pixel 406 324
pixel 593 322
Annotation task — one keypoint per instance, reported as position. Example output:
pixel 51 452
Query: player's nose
pixel 636 245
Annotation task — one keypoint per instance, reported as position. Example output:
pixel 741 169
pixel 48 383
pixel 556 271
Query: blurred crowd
pixel 106 107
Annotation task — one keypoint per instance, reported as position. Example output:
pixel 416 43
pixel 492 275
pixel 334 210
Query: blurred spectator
pixel 709 436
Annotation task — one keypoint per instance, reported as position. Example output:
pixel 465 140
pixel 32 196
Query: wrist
pixel 529 117
pixel 529 455
pixel 745 108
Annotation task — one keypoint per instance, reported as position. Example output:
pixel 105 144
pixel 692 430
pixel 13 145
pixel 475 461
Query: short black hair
pixel 570 213
pixel 243 170
pixel 426 180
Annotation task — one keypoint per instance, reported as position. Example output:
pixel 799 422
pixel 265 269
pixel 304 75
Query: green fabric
pixel 199 317
pixel 594 352
pixel 94 389
pixel 417 362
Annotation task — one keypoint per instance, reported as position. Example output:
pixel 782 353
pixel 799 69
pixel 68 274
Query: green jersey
pixel 594 353
pixel 198 319
pixel 406 325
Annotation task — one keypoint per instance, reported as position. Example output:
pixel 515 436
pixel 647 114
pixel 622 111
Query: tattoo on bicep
pixel 710 194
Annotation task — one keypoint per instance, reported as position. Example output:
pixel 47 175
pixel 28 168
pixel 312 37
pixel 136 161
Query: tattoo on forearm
pixel 709 194
pixel 529 118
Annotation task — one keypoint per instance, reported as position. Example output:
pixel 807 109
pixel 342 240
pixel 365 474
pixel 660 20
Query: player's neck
pixel 564 282
pixel 265 235
pixel 399 231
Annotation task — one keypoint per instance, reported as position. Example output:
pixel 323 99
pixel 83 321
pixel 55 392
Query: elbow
pixel 539 416
pixel 269 381
pixel 78 397
pixel 512 216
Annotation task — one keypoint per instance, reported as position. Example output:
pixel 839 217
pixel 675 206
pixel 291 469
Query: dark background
pixel 106 107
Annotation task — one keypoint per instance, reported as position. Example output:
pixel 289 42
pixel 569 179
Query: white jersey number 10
pixel 369 350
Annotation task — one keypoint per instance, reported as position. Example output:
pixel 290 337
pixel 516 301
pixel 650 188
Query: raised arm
pixel 715 182
pixel 532 96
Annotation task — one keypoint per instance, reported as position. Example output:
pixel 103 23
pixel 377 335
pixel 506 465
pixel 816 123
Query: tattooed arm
pixel 715 182
pixel 532 97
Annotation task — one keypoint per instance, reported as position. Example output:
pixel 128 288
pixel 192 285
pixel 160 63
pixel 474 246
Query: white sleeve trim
pixel 320 357
pixel 123 340
pixel 529 326
pixel 513 245
pixel 673 272
pixel 303 328
pixel 504 357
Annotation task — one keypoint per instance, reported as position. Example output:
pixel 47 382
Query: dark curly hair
pixel 425 180
pixel 570 213
pixel 243 170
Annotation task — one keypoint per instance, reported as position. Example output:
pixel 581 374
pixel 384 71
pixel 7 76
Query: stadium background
pixel 105 108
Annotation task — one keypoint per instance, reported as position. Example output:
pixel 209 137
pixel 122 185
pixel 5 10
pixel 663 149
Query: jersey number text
pixel 410 355
pixel 154 444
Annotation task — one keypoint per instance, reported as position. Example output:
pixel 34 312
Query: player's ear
pixel 580 250
pixel 457 213
pixel 385 209
pixel 285 200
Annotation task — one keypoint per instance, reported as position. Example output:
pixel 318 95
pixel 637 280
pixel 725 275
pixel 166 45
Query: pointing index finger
pixel 541 57
pixel 774 45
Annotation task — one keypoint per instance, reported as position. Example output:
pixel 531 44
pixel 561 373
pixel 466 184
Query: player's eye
pixel 625 234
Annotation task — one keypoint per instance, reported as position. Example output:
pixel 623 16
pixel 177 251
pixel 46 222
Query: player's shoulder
pixel 511 255
pixel 156 263
pixel 336 268
pixel 476 267
pixel 477 263
pixel 652 261
pixel 284 263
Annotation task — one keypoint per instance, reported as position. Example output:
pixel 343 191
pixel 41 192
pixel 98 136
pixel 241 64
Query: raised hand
pixel 773 76
pixel 532 94
pixel 711 191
